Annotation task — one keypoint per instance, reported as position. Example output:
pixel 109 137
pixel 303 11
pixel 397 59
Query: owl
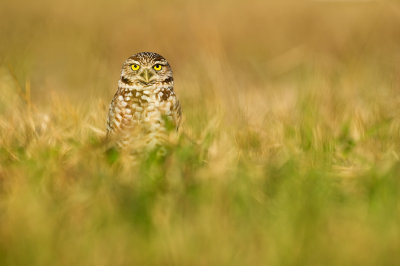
pixel 144 109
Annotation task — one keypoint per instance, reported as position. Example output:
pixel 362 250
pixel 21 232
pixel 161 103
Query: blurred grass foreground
pixel 290 146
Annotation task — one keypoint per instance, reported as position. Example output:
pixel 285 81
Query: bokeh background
pixel 290 147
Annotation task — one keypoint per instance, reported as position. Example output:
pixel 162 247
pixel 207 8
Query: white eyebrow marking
pixel 130 61
pixel 160 63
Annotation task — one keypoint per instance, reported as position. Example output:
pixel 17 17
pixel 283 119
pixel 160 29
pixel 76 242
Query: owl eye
pixel 157 67
pixel 135 67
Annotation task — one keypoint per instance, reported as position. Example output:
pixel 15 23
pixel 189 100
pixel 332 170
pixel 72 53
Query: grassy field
pixel 290 147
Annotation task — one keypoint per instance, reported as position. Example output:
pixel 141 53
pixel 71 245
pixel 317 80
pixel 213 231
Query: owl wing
pixel 111 116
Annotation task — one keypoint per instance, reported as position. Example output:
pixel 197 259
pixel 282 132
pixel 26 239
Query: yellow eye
pixel 135 67
pixel 157 67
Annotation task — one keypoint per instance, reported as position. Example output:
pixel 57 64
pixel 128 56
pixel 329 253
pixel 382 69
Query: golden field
pixel 290 144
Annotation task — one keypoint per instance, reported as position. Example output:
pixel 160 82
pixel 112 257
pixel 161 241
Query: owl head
pixel 146 69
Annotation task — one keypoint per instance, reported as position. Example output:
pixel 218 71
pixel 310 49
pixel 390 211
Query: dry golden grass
pixel 290 145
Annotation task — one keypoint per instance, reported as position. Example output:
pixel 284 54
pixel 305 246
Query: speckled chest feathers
pixel 145 109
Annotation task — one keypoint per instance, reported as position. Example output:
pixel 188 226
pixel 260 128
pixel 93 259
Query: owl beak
pixel 146 75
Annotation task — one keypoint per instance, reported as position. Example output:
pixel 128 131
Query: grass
pixel 290 146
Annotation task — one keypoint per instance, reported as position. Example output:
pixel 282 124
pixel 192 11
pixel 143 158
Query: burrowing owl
pixel 145 106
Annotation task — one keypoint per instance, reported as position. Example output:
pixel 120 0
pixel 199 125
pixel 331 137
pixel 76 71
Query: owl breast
pixel 141 117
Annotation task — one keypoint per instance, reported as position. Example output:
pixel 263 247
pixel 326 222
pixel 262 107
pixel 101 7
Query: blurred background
pixel 75 48
pixel 220 51
pixel 290 154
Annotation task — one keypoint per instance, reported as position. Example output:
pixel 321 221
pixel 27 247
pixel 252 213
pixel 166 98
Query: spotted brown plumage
pixel 145 103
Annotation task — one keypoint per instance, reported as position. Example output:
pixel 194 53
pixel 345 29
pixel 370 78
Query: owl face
pixel 146 69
